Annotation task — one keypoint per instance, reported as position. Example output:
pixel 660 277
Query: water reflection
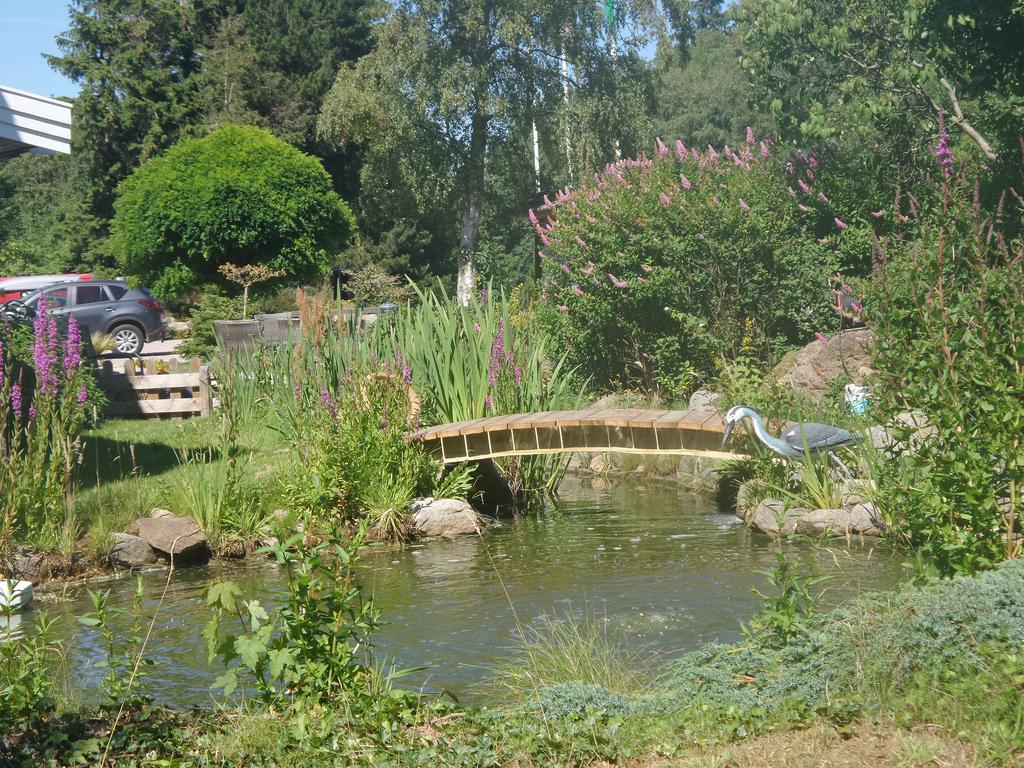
pixel 658 565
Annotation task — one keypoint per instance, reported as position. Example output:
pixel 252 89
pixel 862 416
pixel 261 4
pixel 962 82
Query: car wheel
pixel 127 339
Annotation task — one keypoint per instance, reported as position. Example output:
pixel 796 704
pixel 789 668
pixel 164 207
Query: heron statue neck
pixel 762 434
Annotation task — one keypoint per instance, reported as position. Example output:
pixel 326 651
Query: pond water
pixel 656 564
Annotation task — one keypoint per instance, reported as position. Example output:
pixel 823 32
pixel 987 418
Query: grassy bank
pixel 130 467
pixel 925 675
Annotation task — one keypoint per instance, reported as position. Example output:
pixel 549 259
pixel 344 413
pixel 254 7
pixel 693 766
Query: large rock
pixel 810 370
pixel 705 400
pixel 445 517
pixel 862 518
pixel 131 551
pixel 180 537
pixel 30 566
pixel 773 517
pixel 747 495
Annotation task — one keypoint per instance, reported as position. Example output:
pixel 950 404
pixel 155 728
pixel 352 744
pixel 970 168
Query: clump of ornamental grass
pixel 567 649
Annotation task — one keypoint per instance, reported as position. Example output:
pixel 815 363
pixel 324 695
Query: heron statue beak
pixel 728 431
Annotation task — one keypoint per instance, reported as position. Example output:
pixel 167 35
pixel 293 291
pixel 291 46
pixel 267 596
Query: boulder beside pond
pixel 131 551
pixel 445 517
pixel 772 516
pixel 172 535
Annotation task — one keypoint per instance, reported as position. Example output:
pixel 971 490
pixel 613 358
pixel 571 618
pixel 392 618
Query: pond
pixel 661 567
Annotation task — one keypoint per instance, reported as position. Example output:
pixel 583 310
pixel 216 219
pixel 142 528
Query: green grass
pixel 130 467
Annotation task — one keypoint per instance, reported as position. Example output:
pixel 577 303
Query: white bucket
pixel 14 595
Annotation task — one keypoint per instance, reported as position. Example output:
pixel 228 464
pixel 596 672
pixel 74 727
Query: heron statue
pixel 800 441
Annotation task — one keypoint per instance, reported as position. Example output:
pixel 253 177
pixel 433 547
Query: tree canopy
pixel 240 196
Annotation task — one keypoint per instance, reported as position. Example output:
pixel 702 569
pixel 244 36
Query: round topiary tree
pixel 238 195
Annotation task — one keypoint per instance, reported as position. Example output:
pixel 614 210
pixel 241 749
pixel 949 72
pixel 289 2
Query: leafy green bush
pixel 948 309
pixel 355 455
pixel 662 266
pixel 316 646
pixel 237 195
pixel 211 306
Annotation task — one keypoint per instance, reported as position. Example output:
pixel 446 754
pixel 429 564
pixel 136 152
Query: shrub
pixel 948 312
pixel 659 268
pixel 355 456
pixel 238 195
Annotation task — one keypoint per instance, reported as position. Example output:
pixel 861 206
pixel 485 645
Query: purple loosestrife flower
pixel 2 364
pixel 483 295
pixel 31 412
pixel 72 348
pixel 660 147
pixel 580 242
pixel 542 255
pixel 563 309
pixel 488 403
pixel 744 206
pixel 577 290
pixel 789 168
pixel 820 337
pixel 589 269
pixel 647 269
pixel 83 395
pixel 664 199
pixel 680 149
pixel 544 239
pixel 791 192
pixel 750 135
pixel 764 149
pixel 839 223
pixel 803 208
pixel 810 175
pixel 822 240
pixel 298 392
pixel 687 184
pixel 44 358
pixel 726 151
pixel 566 268
pixel 822 199
pixel 533 218
pixel 477 328
pixel 712 155
pixel 812 160
pixel 517 375
pixel 16 399
pixel 803 186
pixel 942 151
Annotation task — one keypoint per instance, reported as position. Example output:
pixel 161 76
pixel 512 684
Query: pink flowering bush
pixel 43 409
pixel 655 267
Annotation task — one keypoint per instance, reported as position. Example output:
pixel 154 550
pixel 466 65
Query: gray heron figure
pixel 801 440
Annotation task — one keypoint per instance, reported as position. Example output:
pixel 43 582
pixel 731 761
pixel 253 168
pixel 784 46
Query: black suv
pixel 131 315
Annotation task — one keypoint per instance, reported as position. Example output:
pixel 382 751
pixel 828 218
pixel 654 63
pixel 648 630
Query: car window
pixel 58 297
pixel 89 294
pixel 117 291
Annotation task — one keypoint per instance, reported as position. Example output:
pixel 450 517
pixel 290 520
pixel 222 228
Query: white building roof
pixel 32 122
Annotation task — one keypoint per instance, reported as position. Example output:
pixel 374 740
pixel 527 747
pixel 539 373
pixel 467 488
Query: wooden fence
pixel 155 393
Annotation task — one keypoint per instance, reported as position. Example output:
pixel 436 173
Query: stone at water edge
pixel 131 551
pixel 445 517
pixel 768 514
pixel 29 566
pixel 158 512
pixel 819 522
pixel 178 536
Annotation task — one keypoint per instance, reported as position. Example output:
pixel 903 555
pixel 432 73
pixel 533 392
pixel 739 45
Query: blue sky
pixel 27 30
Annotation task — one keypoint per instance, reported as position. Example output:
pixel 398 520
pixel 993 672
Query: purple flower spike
pixel 16 399
pixel 72 348
pixel 83 395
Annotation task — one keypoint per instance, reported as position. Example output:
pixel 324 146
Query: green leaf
pixel 223 594
pixel 228 681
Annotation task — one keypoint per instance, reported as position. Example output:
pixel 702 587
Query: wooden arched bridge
pixel 688 433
